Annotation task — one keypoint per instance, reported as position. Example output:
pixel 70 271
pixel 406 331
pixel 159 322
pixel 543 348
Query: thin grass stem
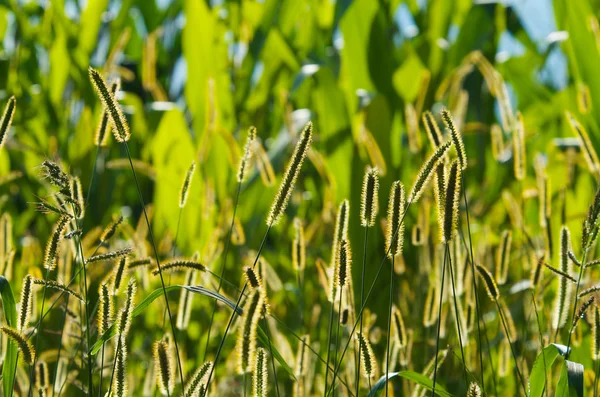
pixel 389 326
pixel 439 323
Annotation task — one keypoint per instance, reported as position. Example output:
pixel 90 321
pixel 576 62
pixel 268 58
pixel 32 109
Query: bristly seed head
pixel 179 264
pixel 247 334
pixel 367 356
pixel 581 312
pixel 457 140
pixel 106 308
pixel 111 229
pixel 26 303
pixel 53 245
pixel 55 175
pixel 426 172
pixel 198 379
pixel 289 178
pixel 344 264
pixel 253 278
pixel 433 131
pixel 451 206
pixel 260 374
pixel 490 284
pixel 298 247
pixel 124 317
pixel 117 119
pixel 25 347
pixel 185 188
pixel 394 237
pixel 247 156
pixel 369 199
pixel 163 363
pixel 103 130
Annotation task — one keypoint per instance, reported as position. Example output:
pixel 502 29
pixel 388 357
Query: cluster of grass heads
pixel 146 250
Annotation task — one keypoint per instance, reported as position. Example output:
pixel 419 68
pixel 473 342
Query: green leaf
pixel 416 377
pixel 537 380
pixel 575 378
pixel 265 341
pixel 9 368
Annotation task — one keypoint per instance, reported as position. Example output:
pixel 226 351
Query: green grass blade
pixel 538 372
pixel 416 377
pixel 10 357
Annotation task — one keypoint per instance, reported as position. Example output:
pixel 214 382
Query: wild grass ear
pixel 120 383
pixel 111 229
pixel 178 264
pixel 451 206
pixel 53 245
pixel 116 117
pixel 589 153
pixel 101 137
pixel 106 308
pixel 253 278
pixel 398 329
pixel 367 356
pixel 197 380
pixel 457 139
pixel 433 131
pixel 503 257
pixel 298 247
pixel 185 187
pixel 595 345
pixel 247 156
pixel 519 152
pixel 369 199
pixel 58 286
pixel 565 289
pixel 489 282
pixel 291 175
pixel 426 172
pixel 7 118
pixel 394 236
pixel 343 269
pixel 260 374
pixel 163 363
pixel 124 317
pixel 247 334
pixel 26 303
pixel 25 347
pixel 110 255
pixel 582 311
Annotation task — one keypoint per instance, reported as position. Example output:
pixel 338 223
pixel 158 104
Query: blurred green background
pixel 197 74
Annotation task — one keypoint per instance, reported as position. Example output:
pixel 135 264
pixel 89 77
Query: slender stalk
pixel 172 255
pixel 338 339
pixel 337 366
pixel 227 243
pixel 237 305
pixel 541 340
pixel 362 299
pixel 389 324
pixel 462 351
pixel 162 281
pixel 439 322
pixel 501 314
pixel 596 377
pixel 39 331
pixel 14 376
pixel 474 281
pixel 583 261
pixel 87 197
pixel 112 374
pixel 268 331
pixel 329 327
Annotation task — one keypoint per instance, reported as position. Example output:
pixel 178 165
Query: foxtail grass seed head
pixel 53 245
pixel 369 199
pixel 519 151
pixel 398 329
pixel 110 255
pixel 55 175
pixel 246 341
pixel 124 317
pixel 253 278
pixel 77 196
pixel 426 172
pixel 46 208
pixel 103 130
pixel 591 223
pixel 457 139
pixel 198 379
pixel 560 273
pixel 503 257
pixel 58 286
pixel 179 264
pixel 340 231
pixel 589 290
pixel 536 273
pixel 163 363
pixel 563 298
pixel 344 265
pixel 24 346
pixel 116 117
pixel 474 390
pixel 596 334
pixel 42 377
pixel 582 311
pixel 111 229
pixel 394 237
pixel 589 153
pixel 490 284
pixel 187 182
pixel 367 357
pixel 117 276
pixel 26 303
pixel 260 373
pixel 7 118
pixel 451 206
pixel 106 308
pixel 298 247
pixel 247 156
pixel 120 383
pixel 433 131
pixel 574 259
pixel 291 175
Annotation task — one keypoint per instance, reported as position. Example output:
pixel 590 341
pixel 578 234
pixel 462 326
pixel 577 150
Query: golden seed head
pixel 433 131
pixel 53 245
pixel 111 229
pixel 367 357
pixel 179 264
pixel 394 238
pixel 247 156
pixel 298 247
pixel 247 334
pixel 116 117
pixel 452 201
pixel 253 278
pixel 426 172
pixel 103 130
pixel 26 303
pixel 369 199
pixel 24 346
pixel 260 374
pixel 457 140
pixel 163 362
pixel 489 282
pixel 185 188
pixel 106 308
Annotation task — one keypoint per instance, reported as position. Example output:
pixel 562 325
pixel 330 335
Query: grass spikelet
pixel 433 131
pixel 116 117
pixel 77 196
pixel 426 172
pixel 7 118
pixel 103 130
pixel 198 379
pixel 42 377
pixel 111 229
pixel 398 329
pixel 596 334
pixel 452 201
pixel 589 153
pixel 106 308
pixel 117 276
pixel 574 259
pixel 490 284
pixel 474 390
pixel 53 245
pixel 25 347
pixel 369 198
pixel 298 247
pixel 560 273
pixel 588 291
pixel 120 384
pixel 367 356
pixel 582 311
pixel 591 223
pixel 564 287
pixel 536 273
pixel 178 264
pixel 457 140
pixel 246 341
pixel 58 286
pixel 519 152
pixel 124 317
pixel 184 311
pixel 396 208
pixel 253 278
pixel 344 264
pixel 55 175
pixel 26 303
pixel 163 362
pixel 247 156
pixel 497 141
pixel 291 174
pixel 139 262
pixel 260 373
pixel 185 187
pixel 110 255
pixel 46 208
pixel 503 257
